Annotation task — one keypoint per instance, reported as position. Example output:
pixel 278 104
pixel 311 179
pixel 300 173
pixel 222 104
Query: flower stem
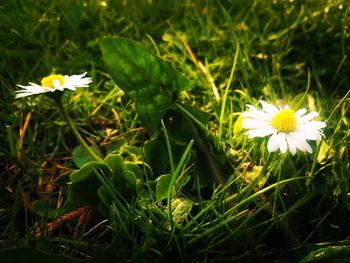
pixel 75 131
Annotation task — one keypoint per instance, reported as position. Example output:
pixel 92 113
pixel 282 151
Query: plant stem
pixel 75 131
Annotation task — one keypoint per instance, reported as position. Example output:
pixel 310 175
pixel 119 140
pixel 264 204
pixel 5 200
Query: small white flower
pixel 54 83
pixel 287 129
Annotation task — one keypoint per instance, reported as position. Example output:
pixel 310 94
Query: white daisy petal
pixel 76 81
pixel 300 112
pixel 249 123
pixel 251 107
pixel 307 147
pixel 303 145
pixel 29 90
pixel 307 135
pixel 268 107
pixel 72 87
pixel 306 118
pixel 291 144
pixel 275 141
pixel 288 130
pixel 260 132
pixel 23 94
pixel 300 143
pixel 33 84
pixel 311 126
pixel 256 114
pixel 283 146
pixel 54 83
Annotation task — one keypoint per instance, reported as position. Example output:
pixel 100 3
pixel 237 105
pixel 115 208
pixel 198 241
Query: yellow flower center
pixel 284 121
pixel 49 80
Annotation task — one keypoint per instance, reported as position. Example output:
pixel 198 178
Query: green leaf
pixel 126 184
pixel 81 156
pixel 146 78
pixel 201 116
pixel 156 155
pixel 133 168
pixel 162 187
pixel 104 195
pixel 85 184
pixel 178 129
pixel 115 162
pixel 123 176
pixel 114 146
pixel 87 170
pixel 178 124
pixel 131 153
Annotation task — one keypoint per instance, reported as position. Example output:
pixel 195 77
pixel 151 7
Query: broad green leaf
pixel 156 155
pixel 131 154
pixel 202 171
pixel 146 78
pixel 115 162
pixel 201 116
pixel 115 146
pixel 87 170
pixel 104 195
pixel 162 187
pixel 133 168
pixel 126 184
pixel 83 193
pixel 178 128
pixel 81 156
pixel 85 184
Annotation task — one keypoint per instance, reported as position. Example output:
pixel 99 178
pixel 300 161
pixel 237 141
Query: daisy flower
pixel 54 83
pixel 286 128
pixel 53 86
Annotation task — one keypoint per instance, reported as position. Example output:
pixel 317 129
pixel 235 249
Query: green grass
pixel 292 51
